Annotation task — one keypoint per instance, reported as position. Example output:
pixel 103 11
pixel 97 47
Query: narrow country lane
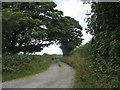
pixel 59 75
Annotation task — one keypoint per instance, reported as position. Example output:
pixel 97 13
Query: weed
pixel 59 65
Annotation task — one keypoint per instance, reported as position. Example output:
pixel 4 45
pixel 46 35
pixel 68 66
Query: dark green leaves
pixel 104 25
pixel 29 24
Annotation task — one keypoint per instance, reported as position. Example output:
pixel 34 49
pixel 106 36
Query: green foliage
pixel 104 26
pixel 89 73
pixel 20 28
pixel 83 51
pixel 33 25
pixel 84 77
pixel 72 37
pixel 11 62
pixel 17 66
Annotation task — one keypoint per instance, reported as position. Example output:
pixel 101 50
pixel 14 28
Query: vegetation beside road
pixel 86 77
pixel 18 66
pixel 32 26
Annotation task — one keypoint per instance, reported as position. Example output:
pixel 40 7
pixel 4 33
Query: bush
pixel 83 51
pixel 16 66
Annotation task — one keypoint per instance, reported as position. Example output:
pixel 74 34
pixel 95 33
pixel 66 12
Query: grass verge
pixel 18 66
pixel 79 60
pixel 84 77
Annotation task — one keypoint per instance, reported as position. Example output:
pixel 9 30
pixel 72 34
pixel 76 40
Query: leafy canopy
pixel 33 25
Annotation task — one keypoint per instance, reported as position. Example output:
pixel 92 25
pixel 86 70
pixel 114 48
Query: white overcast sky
pixel 75 9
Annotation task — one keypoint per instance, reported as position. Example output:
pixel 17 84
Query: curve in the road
pixel 59 75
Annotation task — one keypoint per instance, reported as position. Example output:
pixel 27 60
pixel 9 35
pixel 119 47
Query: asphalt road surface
pixel 58 75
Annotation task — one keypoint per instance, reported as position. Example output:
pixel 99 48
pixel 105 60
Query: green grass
pixel 79 60
pixel 19 66
pixel 84 77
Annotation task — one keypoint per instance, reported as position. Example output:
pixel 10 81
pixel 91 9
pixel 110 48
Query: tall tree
pixel 36 25
pixel 72 37
pixel 26 26
pixel 66 31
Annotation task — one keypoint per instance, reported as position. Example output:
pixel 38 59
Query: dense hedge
pixel 83 51
pixel 105 52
